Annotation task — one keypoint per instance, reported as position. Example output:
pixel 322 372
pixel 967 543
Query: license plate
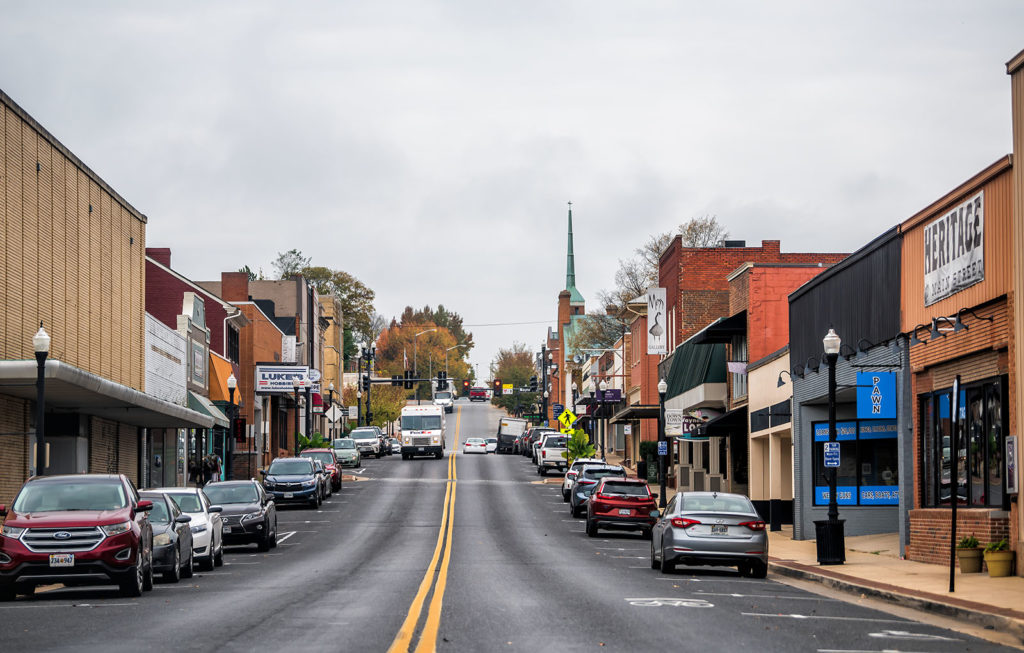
pixel 420 448
pixel 227 529
pixel 62 559
pixel 719 529
pixel 289 495
pixel 624 511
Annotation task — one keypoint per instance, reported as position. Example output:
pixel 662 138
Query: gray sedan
pixel 710 528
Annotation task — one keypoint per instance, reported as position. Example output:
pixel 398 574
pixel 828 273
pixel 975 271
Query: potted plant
pixel 969 554
pixel 998 558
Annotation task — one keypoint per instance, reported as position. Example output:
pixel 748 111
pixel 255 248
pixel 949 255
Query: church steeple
pixel 575 298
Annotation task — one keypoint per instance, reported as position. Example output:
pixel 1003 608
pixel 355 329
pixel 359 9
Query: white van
pixel 422 431
pixel 445 399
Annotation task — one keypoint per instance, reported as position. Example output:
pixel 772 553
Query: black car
pixel 586 483
pixel 172 538
pixel 293 480
pixel 248 513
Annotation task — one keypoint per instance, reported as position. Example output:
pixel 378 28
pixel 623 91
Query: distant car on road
pixel 330 462
pixel 710 528
pixel 249 513
pixel 346 452
pixel 172 538
pixel 492 445
pixel 475 445
pixel 367 439
pixel 207 526
pixel 478 394
pixel 550 454
pixel 396 445
pixel 622 504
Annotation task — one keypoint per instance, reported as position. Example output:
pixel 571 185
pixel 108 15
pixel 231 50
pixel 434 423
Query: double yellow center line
pixel 435 577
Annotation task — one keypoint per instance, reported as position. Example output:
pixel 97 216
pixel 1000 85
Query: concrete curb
pixel 848 585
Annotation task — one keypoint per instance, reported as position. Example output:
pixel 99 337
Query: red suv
pixel 478 394
pixel 79 529
pixel 330 461
pixel 621 504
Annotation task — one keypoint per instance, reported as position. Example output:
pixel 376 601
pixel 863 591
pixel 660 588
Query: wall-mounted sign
pixel 954 250
pixel 287 349
pixel 627 429
pixel 556 410
pixel 876 395
pixel 657 330
pixel 611 396
pixel 1011 464
pixel 674 421
pixel 353 412
pixel 278 378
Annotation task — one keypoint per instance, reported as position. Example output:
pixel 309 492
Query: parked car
pixel 172 538
pixel 385 445
pixel 624 504
pixel 323 477
pixel 573 471
pixel 396 445
pixel 293 480
pixel 532 436
pixel 347 453
pixel 78 529
pixel 330 462
pixel 492 445
pixel 367 440
pixel 586 483
pixel 474 445
pixel 248 512
pixel 207 526
pixel 550 454
pixel 710 528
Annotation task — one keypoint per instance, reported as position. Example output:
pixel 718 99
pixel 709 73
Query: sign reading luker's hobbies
pixel 954 250
pixel 876 395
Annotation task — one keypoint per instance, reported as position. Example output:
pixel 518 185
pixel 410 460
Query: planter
pixel 970 560
pixel 999 563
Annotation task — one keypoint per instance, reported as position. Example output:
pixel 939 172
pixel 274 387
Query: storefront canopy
pixel 201 404
pixel 70 389
pixel 731 424
pixel 637 411
pixel 722 330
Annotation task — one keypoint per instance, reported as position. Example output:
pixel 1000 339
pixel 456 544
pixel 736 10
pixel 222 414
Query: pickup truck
pixel 509 428
pixel 478 394
pixel 549 456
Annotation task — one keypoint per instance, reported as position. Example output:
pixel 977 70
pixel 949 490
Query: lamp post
pixel 295 387
pixel 41 345
pixel 330 409
pixel 544 384
pixel 600 407
pixel 232 383
pixel 369 355
pixel 829 533
pixel 359 408
pixel 662 459
pixel 446 357
pixel 415 362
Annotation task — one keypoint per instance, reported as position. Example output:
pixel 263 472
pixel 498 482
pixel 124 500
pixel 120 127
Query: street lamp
pixel 415 362
pixel 574 389
pixel 330 409
pixel 232 383
pixel 829 533
pixel 295 387
pixel 359 408
pixel 41 345
pixel 662 458
pixel 600 407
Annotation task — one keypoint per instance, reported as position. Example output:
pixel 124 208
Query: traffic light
pixel 442 381
pixel 533 384
pixel 465 387
pixel 396 380
pixel 497 387
pixel 408 380
pixel 366 383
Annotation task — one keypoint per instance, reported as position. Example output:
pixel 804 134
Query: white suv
pixel 444 399
pixel 367 440
pixel 570 476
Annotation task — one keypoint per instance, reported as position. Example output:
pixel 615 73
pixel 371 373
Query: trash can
pixel 831 541
pixel 641 469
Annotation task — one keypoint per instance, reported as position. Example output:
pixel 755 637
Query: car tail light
pixel 544 452
pixel 683 522
pixel 757 525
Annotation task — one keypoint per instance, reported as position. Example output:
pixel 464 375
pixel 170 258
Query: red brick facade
pixel 929 531
pixel 764 293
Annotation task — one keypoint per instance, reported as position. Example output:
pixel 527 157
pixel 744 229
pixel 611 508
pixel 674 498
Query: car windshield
pixel 222 494
pixel 421 422
pixel 344 443
pixel 555 442
pixel 363 434
pixel 186 502
pixel 601 472
pixel 322 456
pixel 443 395
pixel 51 497
pixel 717 504
pixel 492 439
pixel 291 467
pixel 626 489
pixel 158 515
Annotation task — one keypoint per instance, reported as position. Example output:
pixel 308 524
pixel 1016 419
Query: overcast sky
pixel 429 148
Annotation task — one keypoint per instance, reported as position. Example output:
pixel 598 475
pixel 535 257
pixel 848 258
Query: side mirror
pixel 263 472
pixel 182 519
pixel 216 508
pixel 656 514
pixel 654 495
pixel 144 505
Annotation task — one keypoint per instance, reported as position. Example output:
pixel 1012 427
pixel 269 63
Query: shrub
pixel 967 542
pixel 1001 545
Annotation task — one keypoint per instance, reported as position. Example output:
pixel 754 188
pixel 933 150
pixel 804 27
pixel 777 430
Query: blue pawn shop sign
pixel 831 454
pixel 876 395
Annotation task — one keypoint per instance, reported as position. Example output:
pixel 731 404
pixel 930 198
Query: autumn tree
pixel 386 403
pixel 361 321
pixel 289 263
pixel 398 349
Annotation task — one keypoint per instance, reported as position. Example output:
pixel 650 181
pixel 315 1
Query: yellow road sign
pixel 567 418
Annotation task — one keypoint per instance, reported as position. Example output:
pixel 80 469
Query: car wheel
pixel 439 455
pixel 273 536
pixel 263 544
pixel 147 580
pixel 378 455
pixel 646 533
pixel 565 497
pixel 655 563
pixel 205 564
pixel 218 557
pixel 756 569
pixel 667 566
pixel 540 471
pixel 186 569
pixel 173 575
pixel 591 529
pixel 132 584
pixel 7 592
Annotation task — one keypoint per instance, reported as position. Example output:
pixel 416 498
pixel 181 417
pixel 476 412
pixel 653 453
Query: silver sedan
pixel 710 528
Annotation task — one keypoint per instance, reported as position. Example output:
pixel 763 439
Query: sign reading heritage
pixel 954 250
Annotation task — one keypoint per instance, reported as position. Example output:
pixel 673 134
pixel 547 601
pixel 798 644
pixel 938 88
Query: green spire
pixel 570 269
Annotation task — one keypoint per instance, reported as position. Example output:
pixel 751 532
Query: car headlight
pixel 309 483
pixel 117 529
pixel 11 531
pixel 162 539
pixel 251 516
pixel 201 528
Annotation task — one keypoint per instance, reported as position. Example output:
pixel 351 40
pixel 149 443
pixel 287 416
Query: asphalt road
pixel 381 567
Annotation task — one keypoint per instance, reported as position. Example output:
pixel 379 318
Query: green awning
pixel 201 404
pixel 693 365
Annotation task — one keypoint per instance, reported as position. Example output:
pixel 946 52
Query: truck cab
pixel 445 399
pixel 422 431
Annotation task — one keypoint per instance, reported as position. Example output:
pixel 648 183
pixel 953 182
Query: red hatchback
pixel 331 464
pixel 621 504
pixel 77 529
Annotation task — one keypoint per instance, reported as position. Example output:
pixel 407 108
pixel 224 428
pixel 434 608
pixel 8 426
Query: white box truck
pixel 422 431
pixel 509 428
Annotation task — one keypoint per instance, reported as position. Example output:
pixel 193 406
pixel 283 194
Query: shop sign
pixel 278 378
pixel 954 250
pixel 1011 464
pixel 831 454
pixel 611 396
pixel 876 395
pixel 657 331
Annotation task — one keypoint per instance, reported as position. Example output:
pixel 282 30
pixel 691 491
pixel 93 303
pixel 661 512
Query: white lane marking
pixel 232 564
pixel 65 605
pixel 308 521
pixel 615 548
pixel 818 616
pixel 864 650
pixel 903 634
pixel 284 536
pixel 671 602
pixel 766 596
pixel 628 557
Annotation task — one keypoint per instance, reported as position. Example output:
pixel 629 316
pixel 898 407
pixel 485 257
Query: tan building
pixel 72 258
pixel 771 436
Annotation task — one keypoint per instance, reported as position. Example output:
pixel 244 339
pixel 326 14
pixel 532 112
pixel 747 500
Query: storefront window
pixel 868 472
pixel 980 451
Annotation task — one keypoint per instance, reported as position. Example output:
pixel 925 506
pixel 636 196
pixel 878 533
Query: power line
pixel 507 323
